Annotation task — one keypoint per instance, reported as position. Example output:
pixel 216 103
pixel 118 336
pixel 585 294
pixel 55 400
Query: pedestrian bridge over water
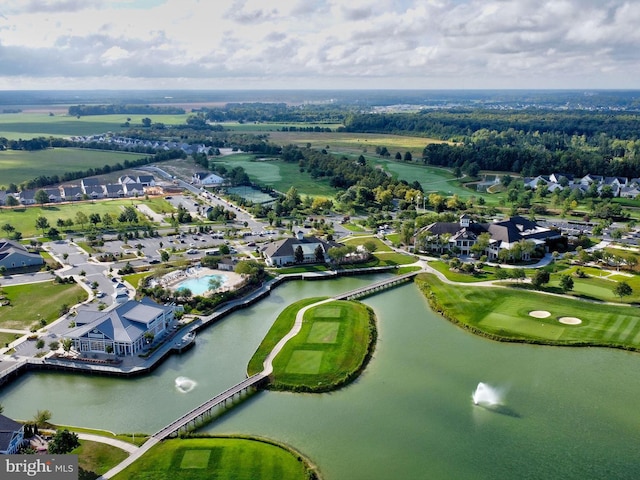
pixel 196 416
pixel 377 287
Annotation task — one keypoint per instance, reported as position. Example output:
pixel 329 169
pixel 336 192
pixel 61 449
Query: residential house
pixel 124 330
pixel 536 181
pixel 206 178
pixel 71 193
pixel 282 252
pixel 54 194
pixel 127 179
pixel 27 197
pixel 114 190
pixel 3 197
pixel 94 191
pixel 15 255
pixel 133 189
pixel 632 190
pixel 564 179
pixel 89 183
pixel 11 436
pixel 146 180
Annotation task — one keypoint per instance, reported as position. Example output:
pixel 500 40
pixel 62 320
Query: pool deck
pixel 232 279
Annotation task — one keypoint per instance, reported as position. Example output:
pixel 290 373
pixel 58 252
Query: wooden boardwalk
pixel 195 416
pixel 376 287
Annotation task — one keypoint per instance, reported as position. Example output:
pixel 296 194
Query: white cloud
pixel 329 43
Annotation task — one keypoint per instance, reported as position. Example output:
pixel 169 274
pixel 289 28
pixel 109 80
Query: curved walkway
pixel 297 326
pixel 114 442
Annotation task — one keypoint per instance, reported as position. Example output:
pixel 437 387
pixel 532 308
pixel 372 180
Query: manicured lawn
pixel 598 284
pixel 133 438
pixel 17 166
pixel 278 175
pixel 135 278
pixel 159 205
pixel 330 350
pixel 24 219
pixel 394 258
pixel 23 312
pixel 279 329
pixel 300 269
pixel 486 274
pixel 98 457
pixel 216 458
pixel 362 239
pixel 6 337
pixel 504 314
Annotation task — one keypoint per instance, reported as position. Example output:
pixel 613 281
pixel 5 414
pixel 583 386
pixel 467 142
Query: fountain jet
pixel 489 398
pixel 184 384
pixel 486 395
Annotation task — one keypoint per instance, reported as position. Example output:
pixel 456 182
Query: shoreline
pixel 137 366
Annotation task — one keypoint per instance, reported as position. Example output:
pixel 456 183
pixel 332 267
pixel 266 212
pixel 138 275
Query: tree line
pixel 124 109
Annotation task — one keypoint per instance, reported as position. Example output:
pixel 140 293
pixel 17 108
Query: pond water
pixel 563 413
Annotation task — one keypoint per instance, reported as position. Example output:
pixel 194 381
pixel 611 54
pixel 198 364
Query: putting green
pixel 324 332
pixel 195 459
pixel 526 326
pixel 305 362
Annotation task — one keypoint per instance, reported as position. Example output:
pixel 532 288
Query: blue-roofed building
pixel 123 330
pixel 11 435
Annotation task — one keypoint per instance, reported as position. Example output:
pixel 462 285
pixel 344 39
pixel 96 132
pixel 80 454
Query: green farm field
pixel 29 125
pixel 18 166
pixel 219 458
pixel 504 314
pixel 339 142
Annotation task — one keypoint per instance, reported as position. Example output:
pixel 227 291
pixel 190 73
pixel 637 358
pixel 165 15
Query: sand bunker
pixel 539 314
pixel 570 320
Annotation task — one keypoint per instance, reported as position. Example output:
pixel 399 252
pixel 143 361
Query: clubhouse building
pixel 125 330
pixel 460 237
pixel 283 252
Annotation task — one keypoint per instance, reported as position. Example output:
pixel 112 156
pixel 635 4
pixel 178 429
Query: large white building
pixel 123 330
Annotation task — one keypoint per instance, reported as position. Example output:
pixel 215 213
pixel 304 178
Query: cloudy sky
pixel 220 44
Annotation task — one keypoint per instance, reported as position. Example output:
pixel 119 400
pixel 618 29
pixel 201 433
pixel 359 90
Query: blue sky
pixel 222 44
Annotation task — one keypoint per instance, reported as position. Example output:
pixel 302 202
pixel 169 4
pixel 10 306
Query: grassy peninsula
pixel 334 345
pixel 509 314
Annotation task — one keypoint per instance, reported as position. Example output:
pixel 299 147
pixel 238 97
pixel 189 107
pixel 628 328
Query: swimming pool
pixel 200 285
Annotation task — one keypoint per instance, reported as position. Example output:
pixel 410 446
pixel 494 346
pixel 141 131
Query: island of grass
pixel 334 345
pixel 219 458
pixel 515 315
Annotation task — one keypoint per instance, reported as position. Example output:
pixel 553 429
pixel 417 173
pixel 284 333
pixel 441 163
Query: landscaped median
pixel 332 348
pixel 526 316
